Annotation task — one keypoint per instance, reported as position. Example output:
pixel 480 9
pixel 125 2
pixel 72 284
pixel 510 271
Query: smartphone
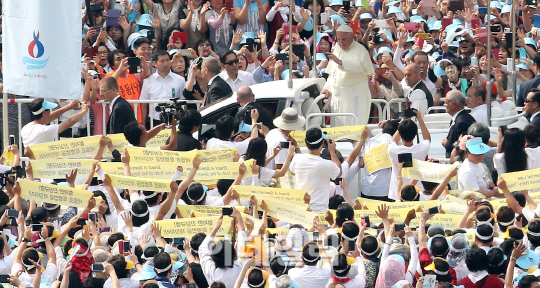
pixel 134 63
pixel 445 22
pixel 400 227
pixel 315 236
pixel 229 5
pixel 249 43
pixel 381 23
pixel 125 246
pixel 503 129
pixel 175 36
pixel 351 245
pixel 509 38
pixel 284 144
pixel 179 240
pixel 12 213
pixel 482 10
pixel 11 140
pixel 97 267
pixel 536 20
pixel 104 229
pixel 424 36
pixel 365 220
pixel 92 217
pixel 496 28
pixel 286 28
pixel 84 67
pixel 406 158
pixel 456 5
pixel 4 278
pixel 227 211
pixel 522 54
pixel 429 281
pixel 420 42
pixel 474 61
pixel 283 57
pixel 37 227
pixel 184 52
pixel 298 50
pixel 258 126
pixel 475 23
pixel 411 26
pixel 150 35
pixel 82 221
pixel 91 52
pixel 434 210
pixel 347 6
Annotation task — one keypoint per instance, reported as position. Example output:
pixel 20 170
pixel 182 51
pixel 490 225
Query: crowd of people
pixel 429 53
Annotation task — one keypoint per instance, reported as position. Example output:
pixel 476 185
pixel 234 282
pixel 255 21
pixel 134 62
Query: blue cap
pixel 506 9
pixel 431 21
pixel 384 48
pixel 495 4
pixel 365 16
pixel 46 105
pixel 397 257
pixel 449 27
pixel 147 273
pixel 409 39
pixel 529 41
pixel 417 19
pixel 243 127
pixel 336 2
pixel 247 35
pixel 285 74
pixel 491 18
pixel 522 66
pixel 174 51
pixel 144 20
pixel 320 56
pixel 477 147
pixel 387 33
pixel 528 260
pixel 437 25
pixel 178 265
pixel 438 70
pixel 337 18
pixel 63 184
pixel 392 3
pixel 393 10
pixel 144 32
pixel 457 21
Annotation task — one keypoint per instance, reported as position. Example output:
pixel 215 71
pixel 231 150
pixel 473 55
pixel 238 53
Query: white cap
pixel 345 28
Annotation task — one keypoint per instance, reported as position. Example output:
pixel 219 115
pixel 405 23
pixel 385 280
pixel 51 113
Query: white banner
pixel 42 48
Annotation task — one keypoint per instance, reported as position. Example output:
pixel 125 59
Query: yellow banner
pixel 49 168
pixel 185 210
pixel 377 158
pixel 523 180
pixel 55 194
pixel 336 133
pixel 68 148
pixel 374 204
pixel 287 181
pixel 427 171
pixel 160 139
pixel 119 141
pixel 217 155
pixel 145 170
pixel 188 227
pixel 147 155
pixel 291 213
pixel 289 195
pixel 138 183
pixel 220 170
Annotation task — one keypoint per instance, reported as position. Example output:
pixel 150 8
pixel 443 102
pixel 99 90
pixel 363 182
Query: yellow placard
pixel 217 155
pixel 119 141
pixel 68 148
pixel 138 183
pixel 291 213
pixel 374 204
pixel 9 158
pixel 288 195
pixel 453 207
pixel 49 168
pixel 147 155
pixel 160 139
pixel 187 227
pixel 185 210
pixel 335 133
pixel 221 170
pixel 287 181
pixel 377 158
pixel 145 170
pixel 523 180
pixel 428 171
pixel 55 194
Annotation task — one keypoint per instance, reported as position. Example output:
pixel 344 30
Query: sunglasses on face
pixel 232 62
pixel 528 101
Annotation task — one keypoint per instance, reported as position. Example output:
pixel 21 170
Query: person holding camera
pixel 162 85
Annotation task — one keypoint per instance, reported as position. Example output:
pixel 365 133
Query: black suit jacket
pixel 219 89
pixel 524 89
pixel 264 116
pixel 536 121
pixel 122 114
pixel 458 128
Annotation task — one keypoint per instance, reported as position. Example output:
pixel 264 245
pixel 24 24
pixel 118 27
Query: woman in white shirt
pixel 511 155
pixel 472 175
pixel 225 128
pixel 257 150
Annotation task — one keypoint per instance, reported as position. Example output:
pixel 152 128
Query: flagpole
pixel 5 126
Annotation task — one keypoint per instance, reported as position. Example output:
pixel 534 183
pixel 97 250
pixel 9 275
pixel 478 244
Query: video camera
pixel 15 172
pixel 168 111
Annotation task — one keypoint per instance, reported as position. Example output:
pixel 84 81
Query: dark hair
pixel 332 240
pixel 36 106
pixel 408 130
pixel 153 200
pixel 339 263
pixel 535 92
pixel 30 254
pixel 92 282
pixel 520 198
pixel 390 127
pixel 195 243
pixel 117 236
pixel 513 147
pixel 158 53
pixel 140 41
pixel 335 201
pixel 369 245
pixel 350 230
pixel 119 264
pixel 224 127
pixel 485 230
pixel 312 135
pixel 439 247
pixel 527 280
pixel 310 254
pixel 133 133
pixel 476 259
pixel 255 278
pixel 408 193
pixel 99 193
pixel 38 215
pixel 224 254
pixel 419 53
pixel 429 186
pixel 497 264
pixel 344 212
pixel 190 119
pixel 110 56
pixel 161 261
pixel 150 252
pixel 479 91
pixel 505 214
pixel 217 284
pixel 223 185
pixel 532 134
pixel 277 265
pixel 536 60
pixel 257 150
pixel 223 56
pixel 534 226
pixel 140 207
pixel 443 266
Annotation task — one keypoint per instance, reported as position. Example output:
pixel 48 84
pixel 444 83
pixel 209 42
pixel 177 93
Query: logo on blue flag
pixel 33 62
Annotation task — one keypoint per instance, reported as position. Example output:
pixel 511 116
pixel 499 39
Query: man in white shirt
pixel 234 77
pixel 407 132
pixel 476 100
pixel 313 173
pixel 288 121
pixel 162 85
pixel 309 275
pixel 39 131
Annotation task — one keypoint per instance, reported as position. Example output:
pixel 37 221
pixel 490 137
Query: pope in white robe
pixel 348 79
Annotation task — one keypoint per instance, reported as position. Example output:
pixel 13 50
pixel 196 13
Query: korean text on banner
pixel 48 168
pixel 377 158
pixel 69 148
pixel 336 133
pixel 185 210
pixel 187 227
pixel 217 155
pixel 42 48
pixel 293 213
pixel 289 195
pixel 146 155
pixel 428 171
pixel 523 180
pixel 160 139
pixel 137 183
pixel 55 194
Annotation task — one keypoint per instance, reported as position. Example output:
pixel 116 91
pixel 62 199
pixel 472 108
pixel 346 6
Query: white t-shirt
pixel 265 175
pixel 313 174
pixel 49 275
pixel 215 143
pixel 124 283
pixel 33 133
pixel 376 183
pixel 533 157
pixel 272 140
pixel 418 151
pixel 472 176
pixel 154 209
pixel 311 276
pixel 425 197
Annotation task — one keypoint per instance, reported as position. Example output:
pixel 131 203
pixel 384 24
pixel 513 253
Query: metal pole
pixel 291 6
pixel 488 58
pixel 5 126
pixel 314 38
pixel 513 75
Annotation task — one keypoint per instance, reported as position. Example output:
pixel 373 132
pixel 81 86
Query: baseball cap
pixel 476 146
pixel 365 16
pixel 528 260
pixel 243 127
pixel 435 229
pixel 46 105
